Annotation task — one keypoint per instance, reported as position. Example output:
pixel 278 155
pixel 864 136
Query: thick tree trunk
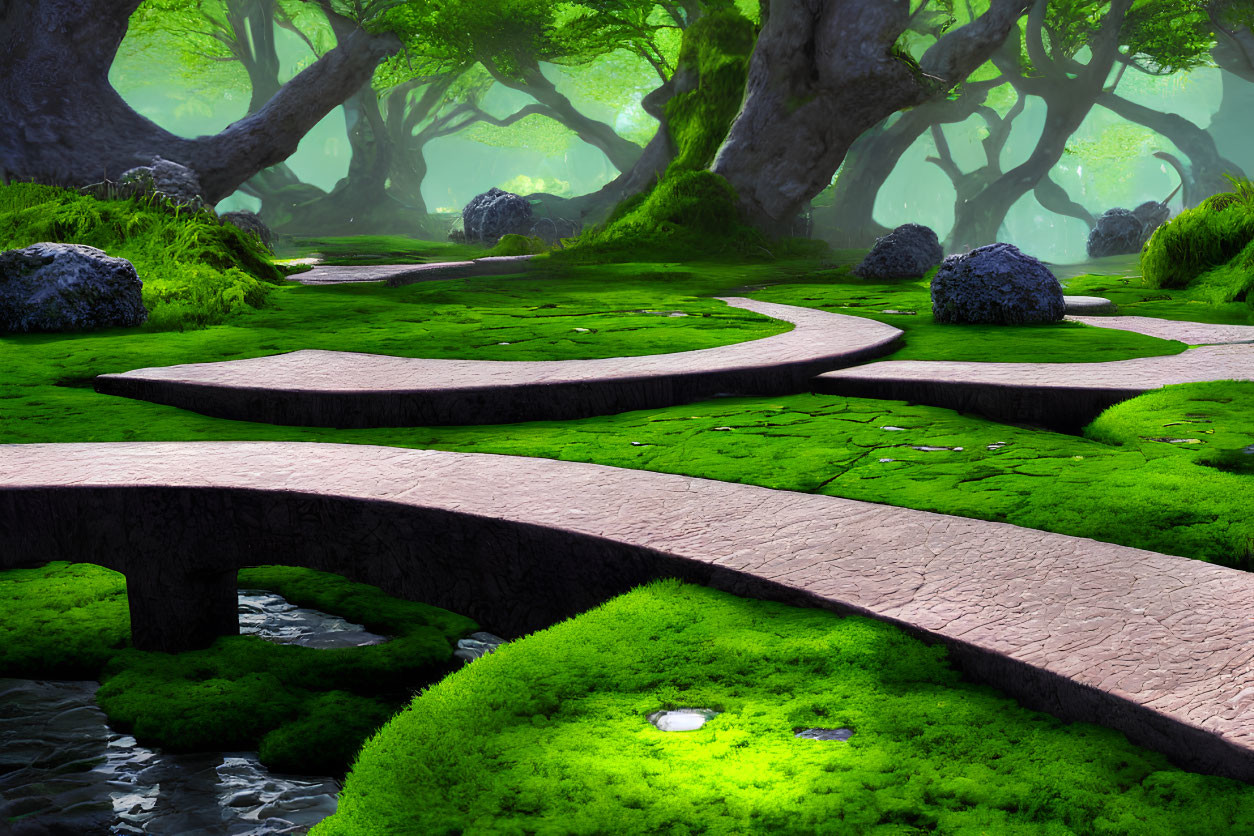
pixel 823 73
pixel 72 128
pixel 1203 176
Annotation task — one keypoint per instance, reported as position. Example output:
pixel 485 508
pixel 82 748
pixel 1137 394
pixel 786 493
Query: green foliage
pixel 380 249
pixel 518 245
pixel 307 709
pixel 195 271
pixel 549 735
pixel 1199 239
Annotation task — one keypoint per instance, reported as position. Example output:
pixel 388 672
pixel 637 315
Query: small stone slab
pixel 402 274
pixel 344 389
pixel 1060 396
pixel 1158 647
pixel 825 734
pixel 1089 306
pixel 681 719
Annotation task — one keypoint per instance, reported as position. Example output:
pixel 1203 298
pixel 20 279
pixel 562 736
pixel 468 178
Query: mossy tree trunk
pixel 70 126
pixel 824 72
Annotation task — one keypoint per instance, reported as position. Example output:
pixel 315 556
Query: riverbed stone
pixel 67 287
pixel 909 251
pixel 494 214
pixel 998 285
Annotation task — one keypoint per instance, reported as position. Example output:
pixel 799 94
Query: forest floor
pixel 932 753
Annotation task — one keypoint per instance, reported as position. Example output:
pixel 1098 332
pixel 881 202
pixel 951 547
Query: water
pixel 64 771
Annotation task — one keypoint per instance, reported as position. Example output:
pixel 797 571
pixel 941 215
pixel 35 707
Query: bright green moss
pixel 1212 422
pixel 518 245
pixel 1198 240
pixel 308 710
pixel 195 271
pixel 549 735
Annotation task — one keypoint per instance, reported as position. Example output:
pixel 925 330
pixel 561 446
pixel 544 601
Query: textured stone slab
pixel 402 274
pixel 342 389
pixel 1089 305
pixel 1062 396
pixel 1192 333
pixel 1159 647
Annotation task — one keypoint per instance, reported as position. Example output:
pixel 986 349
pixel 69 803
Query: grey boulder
pixel 67 287
pixel 1122 232
pixel 496 213
pixel 909 251
pixel 249 222
pixel 173 181
pixel 996 284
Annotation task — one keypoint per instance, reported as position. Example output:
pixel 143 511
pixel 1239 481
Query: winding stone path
pixel 1061 396
pixel 402 274
pixel 343 389
pixel 1159 647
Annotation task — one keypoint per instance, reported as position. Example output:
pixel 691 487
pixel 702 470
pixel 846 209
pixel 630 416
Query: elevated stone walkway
pixel 342 389
pixel 1159 647
pixel 1061 396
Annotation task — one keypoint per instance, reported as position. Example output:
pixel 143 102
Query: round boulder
pixel 1117 232
pixel 250 223
pixel 496 213
pixel 67 287
pixel 909 251
pixel 173 181
pixel 996 284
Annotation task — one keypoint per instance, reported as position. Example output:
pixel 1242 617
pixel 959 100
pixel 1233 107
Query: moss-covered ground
pixel 306 710
pixel 357 250
pixel 549 735
pixel 195 271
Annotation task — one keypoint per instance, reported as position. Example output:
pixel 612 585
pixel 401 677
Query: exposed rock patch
pixel 998 285
pixel 251 223
pixel 67 287
pixel 909 251
pixel 494 214
pixel 171 180
pixel 1123 232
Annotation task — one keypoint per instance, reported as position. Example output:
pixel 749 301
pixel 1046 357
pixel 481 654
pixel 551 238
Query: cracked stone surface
pixel 1192 333
pixel 1062 396
pixel 1157 646
pixel 401 274
pixel 344 389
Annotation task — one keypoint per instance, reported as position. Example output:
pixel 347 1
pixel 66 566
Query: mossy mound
pixel 691 214
pixel 518 245
pixel 306 710
pixel 1213 422
pixel 195 271
pixel 1210 246
pixel 549 735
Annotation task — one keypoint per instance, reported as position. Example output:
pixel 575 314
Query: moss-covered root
pixel 549 735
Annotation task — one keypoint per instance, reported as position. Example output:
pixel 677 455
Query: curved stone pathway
pixel 1061 396
pixel 344 389
pixel 402 274
pixel 1159 647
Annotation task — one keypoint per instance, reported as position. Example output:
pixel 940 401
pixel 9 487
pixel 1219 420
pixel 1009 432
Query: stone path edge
pixel 349 390
pixel 522 543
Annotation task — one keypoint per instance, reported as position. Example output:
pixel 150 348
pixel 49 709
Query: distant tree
pixel 75 129
pixel 824 72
